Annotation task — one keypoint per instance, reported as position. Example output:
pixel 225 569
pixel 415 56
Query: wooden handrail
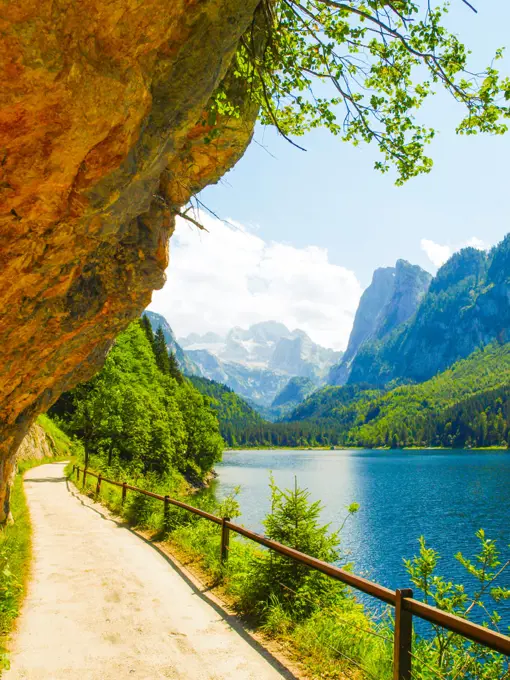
pixel 159 497
pixel 483 636
pixel 472 631
pixel 374 589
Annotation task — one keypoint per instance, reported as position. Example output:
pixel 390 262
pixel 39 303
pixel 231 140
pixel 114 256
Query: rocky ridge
pixel 466 307
pixel 257 362
pixel 268 344
pixel 390 300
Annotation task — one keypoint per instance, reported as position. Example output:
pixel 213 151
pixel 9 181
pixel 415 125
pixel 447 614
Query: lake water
pixel 443 495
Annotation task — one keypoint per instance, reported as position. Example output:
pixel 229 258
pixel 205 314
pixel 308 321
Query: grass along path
pixel 15 557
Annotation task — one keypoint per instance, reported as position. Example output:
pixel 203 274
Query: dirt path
pixel 104 604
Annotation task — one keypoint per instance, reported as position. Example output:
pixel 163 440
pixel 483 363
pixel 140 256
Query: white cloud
pixel 232 277
pixel 438 254
pixel 475 242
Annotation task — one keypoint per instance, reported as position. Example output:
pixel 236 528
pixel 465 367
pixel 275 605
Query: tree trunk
pixel 7 472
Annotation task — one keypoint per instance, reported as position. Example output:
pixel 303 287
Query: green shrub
pixel 449 654
pixel 15 555
pixel 294 521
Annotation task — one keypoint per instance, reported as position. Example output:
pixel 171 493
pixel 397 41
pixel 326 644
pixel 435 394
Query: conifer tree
pixel 147 327
pixel 161 352
pixel 173 367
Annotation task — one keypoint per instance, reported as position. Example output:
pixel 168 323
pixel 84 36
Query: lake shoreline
pixel 364 448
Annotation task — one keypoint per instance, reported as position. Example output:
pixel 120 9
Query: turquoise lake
pixel 446 496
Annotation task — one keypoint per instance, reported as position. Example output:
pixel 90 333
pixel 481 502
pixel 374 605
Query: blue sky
pixel 327 210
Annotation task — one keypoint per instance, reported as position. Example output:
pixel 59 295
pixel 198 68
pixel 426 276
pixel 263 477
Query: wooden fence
pixel 401 599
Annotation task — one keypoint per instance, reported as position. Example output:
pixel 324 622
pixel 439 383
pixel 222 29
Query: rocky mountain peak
pixel 391 299
pixel 268 331
pixel 258 361
pixel 411 282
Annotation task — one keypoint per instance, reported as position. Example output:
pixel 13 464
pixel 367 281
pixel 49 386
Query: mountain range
pixel 466 406
pixel 257 362
pixel 466 306
pixel 268 345
pixel 450 356
pixel 426 364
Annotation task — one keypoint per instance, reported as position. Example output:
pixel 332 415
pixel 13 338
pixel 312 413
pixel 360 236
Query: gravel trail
pixel 104 604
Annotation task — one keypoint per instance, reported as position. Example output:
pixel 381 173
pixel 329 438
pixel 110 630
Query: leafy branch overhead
pixel 362 69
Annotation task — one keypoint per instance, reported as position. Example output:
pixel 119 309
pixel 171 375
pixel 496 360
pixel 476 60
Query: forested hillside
pixel 241 425
pixel 294 392
pixel 140 413
pixel 463 406
pixel 466 307
pixel 332 402
pixel 232 411
pixel 467 405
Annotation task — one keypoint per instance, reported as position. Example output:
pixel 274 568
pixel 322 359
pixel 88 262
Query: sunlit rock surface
pixel 390 300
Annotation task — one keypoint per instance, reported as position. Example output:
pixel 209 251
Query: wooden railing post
pixel 98 485
pixel 84 477
pixel 77 473
pixel 166 514
pixel 225 539
pixel 403 640
pixel 124 492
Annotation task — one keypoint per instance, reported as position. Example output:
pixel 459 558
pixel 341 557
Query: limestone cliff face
pixel 102 137
pixel 391 299
pixel 411 283
pixel 36 445
pixel 374 299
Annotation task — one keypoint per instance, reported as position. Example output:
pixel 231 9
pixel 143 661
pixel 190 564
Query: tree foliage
pixel 295 521
pixel 451 655
pixel 274 580
pixel 138 412
pixel 362 69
